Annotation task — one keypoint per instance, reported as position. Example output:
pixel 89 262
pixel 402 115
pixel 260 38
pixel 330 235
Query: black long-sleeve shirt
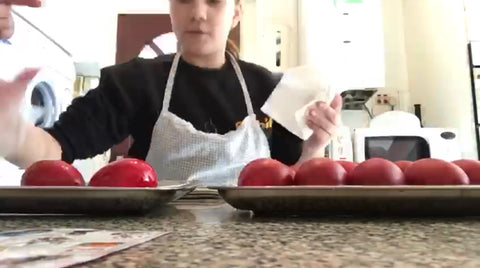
pixel 129 99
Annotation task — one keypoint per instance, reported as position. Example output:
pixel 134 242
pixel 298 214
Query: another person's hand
pixel 324 119
pixel 6 18
pixel 11 123
pixel 30 3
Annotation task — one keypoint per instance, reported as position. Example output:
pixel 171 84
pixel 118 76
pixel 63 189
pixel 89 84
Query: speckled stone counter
pixel 215 235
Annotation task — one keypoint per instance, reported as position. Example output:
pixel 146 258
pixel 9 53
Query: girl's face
pixel 202 26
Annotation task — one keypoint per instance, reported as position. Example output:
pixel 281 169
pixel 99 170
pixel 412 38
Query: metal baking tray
pixel 88 200
pixel 356 200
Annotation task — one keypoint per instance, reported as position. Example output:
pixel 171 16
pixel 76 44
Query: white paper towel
pixel 299 88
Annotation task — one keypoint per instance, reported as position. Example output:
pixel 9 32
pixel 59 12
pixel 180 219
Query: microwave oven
pixel 405 144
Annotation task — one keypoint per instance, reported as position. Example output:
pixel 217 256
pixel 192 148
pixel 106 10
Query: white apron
pixel 179 152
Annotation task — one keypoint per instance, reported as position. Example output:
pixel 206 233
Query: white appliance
pixel 398 135
pixel 405 144
pixel 49 93
pixel 51 90
pixel 341 147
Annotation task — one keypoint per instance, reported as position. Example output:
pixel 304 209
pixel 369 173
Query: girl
pixel 195 114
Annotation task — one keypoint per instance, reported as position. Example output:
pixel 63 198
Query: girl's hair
pixel 233 49
pixel 231 46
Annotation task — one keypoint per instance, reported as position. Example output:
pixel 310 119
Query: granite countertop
pixel 213 234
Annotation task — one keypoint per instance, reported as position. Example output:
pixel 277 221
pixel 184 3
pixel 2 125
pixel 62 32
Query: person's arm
pixel 91 125
pixel 290 149
pixel 285 146
pixel 37 145
pixel 324 119
pixel 24 143
pixel 30 3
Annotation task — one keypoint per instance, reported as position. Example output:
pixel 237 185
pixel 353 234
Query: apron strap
pixel 171 79
pixel 241 78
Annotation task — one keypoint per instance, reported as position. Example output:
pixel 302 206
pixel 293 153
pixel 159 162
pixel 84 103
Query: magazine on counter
pixel 65 247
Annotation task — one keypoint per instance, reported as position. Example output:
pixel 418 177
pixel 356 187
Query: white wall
pixel 438 72
pixel 426 63
pixel 472 8
pixel 88 28
pixel 249 32
pixel 396 73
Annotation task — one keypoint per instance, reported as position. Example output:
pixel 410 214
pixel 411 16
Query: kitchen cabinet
pixel 363 41
pixel 345 34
